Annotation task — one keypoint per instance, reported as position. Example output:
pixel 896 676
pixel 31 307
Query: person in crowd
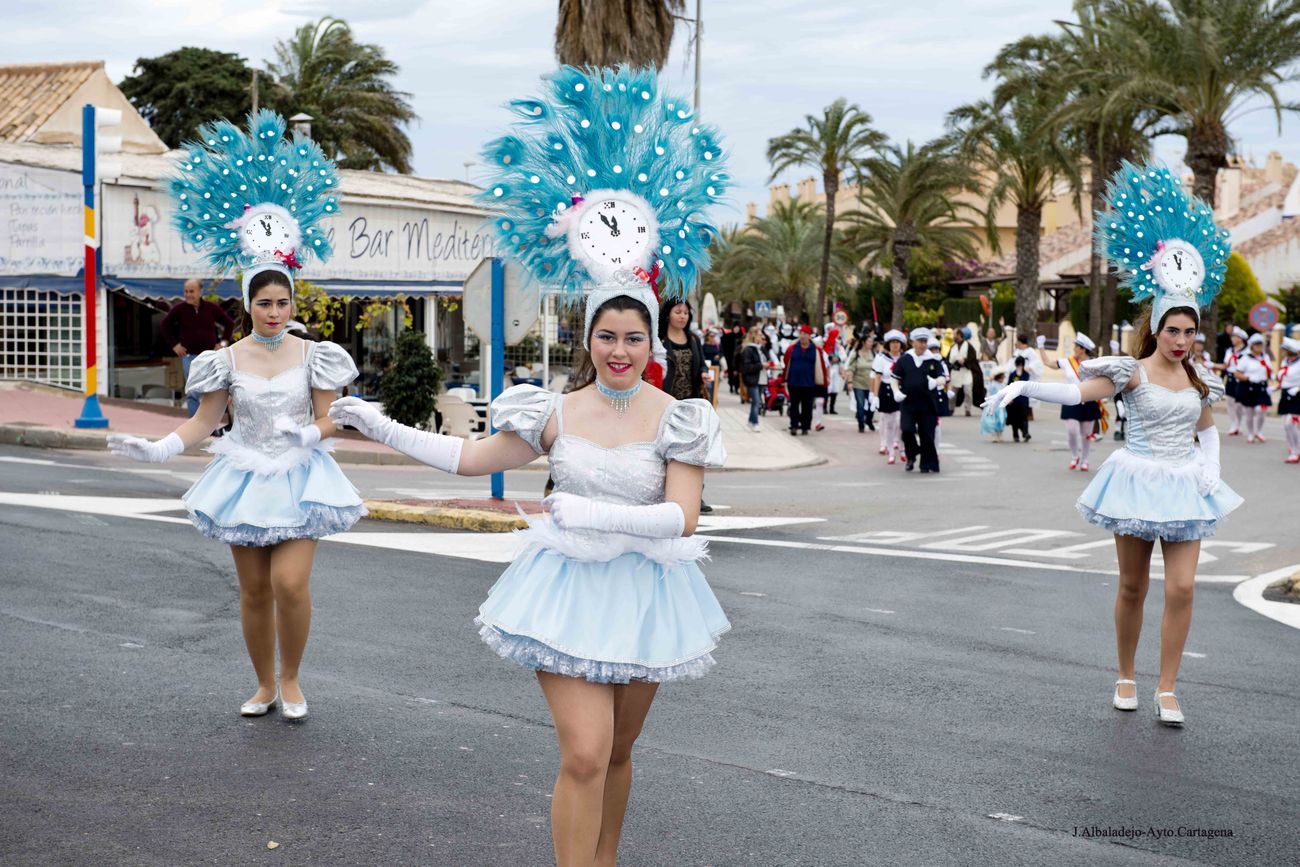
pixel 1253 372
pixel 857 371
pixel 916 375
pixel 1018 408
pixel 967 377
pixel 1079 418
pixel 194 326
pixel 730 343
pixel 1288 398
pixel 1234 349
pixel 882 367
pixel 995 422
pixel 750 363
pixel 685 372
pixel 805 376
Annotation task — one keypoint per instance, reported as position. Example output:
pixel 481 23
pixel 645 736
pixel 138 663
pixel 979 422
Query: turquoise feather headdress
pixel 606 134
pixel 1162 243
pixel 254 201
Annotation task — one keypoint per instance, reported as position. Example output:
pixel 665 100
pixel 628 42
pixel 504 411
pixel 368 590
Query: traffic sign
pixel 841 318
pixel 1263 316
pixel 763 308
pixel 521 307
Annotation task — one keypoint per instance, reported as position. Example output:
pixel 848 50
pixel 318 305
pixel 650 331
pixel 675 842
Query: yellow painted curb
pixel 475 520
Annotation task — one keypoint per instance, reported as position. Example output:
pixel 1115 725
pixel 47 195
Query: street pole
pixel 91 415
pixel 699 37
pixel 497 364
pixel 254 90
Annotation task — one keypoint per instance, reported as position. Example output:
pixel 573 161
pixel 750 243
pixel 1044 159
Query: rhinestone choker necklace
pixel 271 343
pixel 620 400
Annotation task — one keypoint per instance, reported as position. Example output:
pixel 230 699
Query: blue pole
pixel 91 415
pixel 497 364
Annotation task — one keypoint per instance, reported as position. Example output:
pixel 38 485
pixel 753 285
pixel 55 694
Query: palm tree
pixel 1081 65
pixel 907 200
pixel 345 86
pixel 1013 144
pixel 638 33
pixel 1201 64
pixel 836 143
pixel 781 253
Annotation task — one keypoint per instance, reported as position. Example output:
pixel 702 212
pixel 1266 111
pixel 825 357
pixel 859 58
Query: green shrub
pixel 409 387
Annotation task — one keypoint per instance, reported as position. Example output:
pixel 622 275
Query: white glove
pixel 305 436
pixel 873 402
pixel 435 450
pixel 572 512
pixel 899 397
pixel 936 382
pixel 140 449
pixel 1004 397
pixel 1041 341
pixel 1208 482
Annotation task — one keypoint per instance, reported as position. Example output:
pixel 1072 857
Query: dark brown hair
pixel 586 374
pixel 260 281
pixel 1146 342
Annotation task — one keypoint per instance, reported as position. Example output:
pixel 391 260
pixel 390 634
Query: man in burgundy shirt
pixel 192 326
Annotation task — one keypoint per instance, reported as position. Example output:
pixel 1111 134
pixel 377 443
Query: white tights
pixel 1076 432
pixel 1234 415
pixel 1291 424
pixel 890 426
pixel 1255 416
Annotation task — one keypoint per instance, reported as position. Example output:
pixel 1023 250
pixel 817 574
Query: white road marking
pixel 1006 817
pixel 753 593
pixel 485 547
pixel 998 539
pixel 1193 655
pixel 897 537
pixel 741 522
pixel 777 772
pixel 1021 631
pixel 880 611
pixel 1251 594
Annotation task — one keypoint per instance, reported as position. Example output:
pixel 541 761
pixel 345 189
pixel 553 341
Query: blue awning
pixel 168 288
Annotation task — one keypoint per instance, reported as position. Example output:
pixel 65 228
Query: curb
pixel 473 520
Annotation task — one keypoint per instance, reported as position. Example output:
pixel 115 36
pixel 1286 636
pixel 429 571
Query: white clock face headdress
pixel 1163 244
pixel 604 187
pixel 254 201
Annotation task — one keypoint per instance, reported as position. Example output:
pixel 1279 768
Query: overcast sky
pixel 766 63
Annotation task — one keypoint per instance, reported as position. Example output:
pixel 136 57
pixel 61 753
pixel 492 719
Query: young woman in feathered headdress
pixel 254 202
pixel 603 192
pixel 1159 487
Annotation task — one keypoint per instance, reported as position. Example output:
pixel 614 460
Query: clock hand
pixel 614 226
pixel 605 220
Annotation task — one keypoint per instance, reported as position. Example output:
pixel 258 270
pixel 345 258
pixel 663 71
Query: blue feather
pixel 1146 205
pixel 226 171
pixel 605 129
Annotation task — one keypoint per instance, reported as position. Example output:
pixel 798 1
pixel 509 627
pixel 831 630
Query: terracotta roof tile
pixel 31 93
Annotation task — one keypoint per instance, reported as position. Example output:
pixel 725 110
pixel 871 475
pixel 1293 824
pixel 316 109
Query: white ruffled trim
pixel 250 460
pixel 601 547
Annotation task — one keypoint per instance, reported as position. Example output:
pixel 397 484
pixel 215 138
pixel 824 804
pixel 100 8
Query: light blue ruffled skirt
pixel 309 499
pixel 1151 499
pixel 628 618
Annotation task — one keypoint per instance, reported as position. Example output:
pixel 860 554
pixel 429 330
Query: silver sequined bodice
pixel 1161 422
pixel 257 401
pixel 631 474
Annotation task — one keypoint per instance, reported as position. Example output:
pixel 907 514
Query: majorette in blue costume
pixel 1160 486
pixel 254 202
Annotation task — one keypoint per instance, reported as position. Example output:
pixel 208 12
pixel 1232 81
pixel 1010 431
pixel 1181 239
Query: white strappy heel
pixel 1168 717
pixel 1122 703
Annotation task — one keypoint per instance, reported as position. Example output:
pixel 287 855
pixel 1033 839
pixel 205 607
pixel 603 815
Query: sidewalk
pixel 36 415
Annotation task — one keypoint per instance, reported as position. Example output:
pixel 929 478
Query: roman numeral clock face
pixel 265 233
pixel 612 232
pixel 1180 268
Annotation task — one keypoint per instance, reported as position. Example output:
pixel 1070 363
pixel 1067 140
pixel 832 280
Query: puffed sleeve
pixel 331 366
pixel 210 371
pixel 1119 369
pixel 1214 382
pixel 524 409
pixel 692 433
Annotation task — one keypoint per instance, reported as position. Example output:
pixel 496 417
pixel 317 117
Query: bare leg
pixel 257 615
pixel 584 725
pixel 290 581
pixel 1134 556
pixel 1180 575
pixel 631 705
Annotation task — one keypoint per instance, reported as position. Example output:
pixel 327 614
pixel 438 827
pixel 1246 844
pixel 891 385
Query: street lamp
pixel 93 117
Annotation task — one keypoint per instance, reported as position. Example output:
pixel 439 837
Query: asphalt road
pixel 883 698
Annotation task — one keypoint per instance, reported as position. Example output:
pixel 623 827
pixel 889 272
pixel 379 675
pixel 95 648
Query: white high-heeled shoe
pixel 1168 717
pixel 293 710
pixel 1122 703
pixel 258 708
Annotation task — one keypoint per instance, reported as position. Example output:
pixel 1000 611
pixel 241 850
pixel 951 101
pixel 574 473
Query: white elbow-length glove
pixel 659 521
pixel 1063 393
pixel 1209 481
pixel 141 449
pixel 304 436
pixel 436 450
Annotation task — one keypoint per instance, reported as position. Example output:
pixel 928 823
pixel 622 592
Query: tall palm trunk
pixel 1207 152
pixel 831 182
pixel 1028 223
pixel 1097 199
pixel 900 269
